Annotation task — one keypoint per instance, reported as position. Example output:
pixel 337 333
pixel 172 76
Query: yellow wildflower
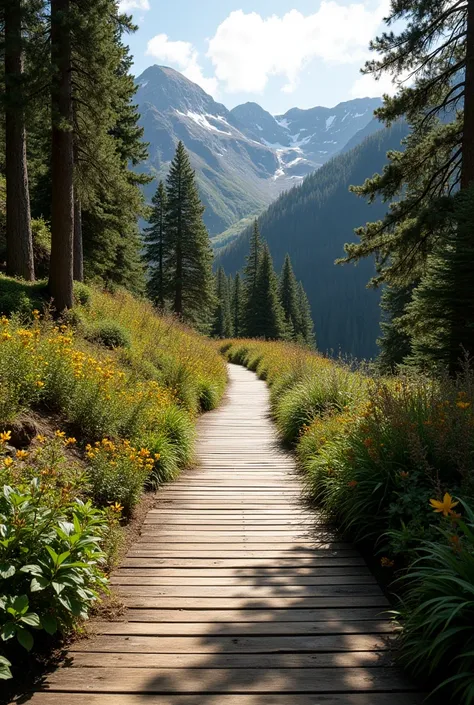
pixel 8 462
pixel 39 383
pixel 463 404
pixel 4 437
pixel 40 438
pixel 445 507
pixel 117 507
pixel 59 434
pixel 70 441
pixel 386 562
pixel 21 454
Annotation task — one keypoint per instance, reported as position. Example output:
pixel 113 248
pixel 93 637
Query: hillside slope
pixel 312 222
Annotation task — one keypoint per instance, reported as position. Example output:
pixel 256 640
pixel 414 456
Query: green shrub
pixel 117 472
pixel 82 294
pixel 437 611
pixel 41 246
pixel 50 569
pixel 179 429
pixel 109 334
pixel 21 297
pixel 167 458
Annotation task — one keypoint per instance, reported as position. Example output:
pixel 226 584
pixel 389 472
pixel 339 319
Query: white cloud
pixel 366 86
pixel 129 5
pixel 183 56
pixel 247 49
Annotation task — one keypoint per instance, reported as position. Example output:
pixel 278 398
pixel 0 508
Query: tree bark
pixel 78 267
pixel 467 169
pixel 62 162
pixel 20 260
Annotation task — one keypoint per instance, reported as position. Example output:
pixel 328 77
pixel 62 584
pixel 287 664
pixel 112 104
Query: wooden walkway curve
pixel 236 594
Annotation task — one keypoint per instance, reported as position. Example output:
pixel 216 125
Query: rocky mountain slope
pixel 244 157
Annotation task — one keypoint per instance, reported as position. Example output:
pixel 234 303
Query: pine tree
pixel 395 342
pixel 436 47
pixel 441 315
pixel 18 216
pixel 189 279
pixel 222 323
pixel 250 283
pixel 289 299
pixel 269 317
pixel 155 247
pixel 305 333
pixel 237 306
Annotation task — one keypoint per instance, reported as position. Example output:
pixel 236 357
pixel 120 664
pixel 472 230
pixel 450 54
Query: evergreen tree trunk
pixel 18 220
pixel 62 162
pixel 78 267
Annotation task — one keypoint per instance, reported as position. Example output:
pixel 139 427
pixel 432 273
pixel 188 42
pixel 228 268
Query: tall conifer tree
pixel 269 317
pixel 190 283
pixel 155 243
pixel 251 281
pixel 435 45
pixel 305 332
pixel 289 298
pixel 237 306
pixel 222 323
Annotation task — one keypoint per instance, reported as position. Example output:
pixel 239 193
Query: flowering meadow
pixel 93 410
pixel 391 462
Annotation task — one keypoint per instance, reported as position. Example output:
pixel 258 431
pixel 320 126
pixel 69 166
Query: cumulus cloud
pixel 183 56
pixel 248 49
pixel 130 5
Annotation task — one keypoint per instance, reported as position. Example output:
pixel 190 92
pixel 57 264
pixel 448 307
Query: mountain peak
pixel 167 88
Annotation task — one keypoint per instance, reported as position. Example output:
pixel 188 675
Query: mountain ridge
pixel 244 157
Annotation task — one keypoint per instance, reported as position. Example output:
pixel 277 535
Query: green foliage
pixel 394 343
pixel 109 334
pixel 305 331
pixel 189 284
pixel 250 283
pixel 437 611
pixel 117 473
pixel 82 294
pixel 237 306
pixel 222 323
pixel 20 297
pixel 50 574
pixel 41 246
pixel 289 299
pixel 155 247
pixel 267 313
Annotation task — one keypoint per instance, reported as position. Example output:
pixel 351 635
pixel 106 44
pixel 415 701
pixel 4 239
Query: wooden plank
pixel 205 629
pixel 344 577
pixel 219 680
pixel 352 659
pixel 226 699
pixel 323 614
pixel 243 644
pixel 257 603
pixel 300 576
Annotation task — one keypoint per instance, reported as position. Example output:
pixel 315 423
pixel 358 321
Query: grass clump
pixel 109 334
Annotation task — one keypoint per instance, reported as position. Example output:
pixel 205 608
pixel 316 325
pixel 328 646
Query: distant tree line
pixel 259 304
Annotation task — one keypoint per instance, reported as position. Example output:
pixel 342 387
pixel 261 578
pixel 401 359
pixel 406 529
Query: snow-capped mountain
pixel 243 157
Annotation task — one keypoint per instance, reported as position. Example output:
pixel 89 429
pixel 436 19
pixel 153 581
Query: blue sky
pixel 279 53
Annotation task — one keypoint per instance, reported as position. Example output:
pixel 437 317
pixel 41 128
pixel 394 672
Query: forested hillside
pixel 312 222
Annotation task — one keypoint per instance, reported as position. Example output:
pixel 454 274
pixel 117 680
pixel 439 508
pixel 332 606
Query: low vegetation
pixel 390 460
pixel 93 409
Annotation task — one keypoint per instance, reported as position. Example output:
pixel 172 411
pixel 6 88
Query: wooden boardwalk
pixel 237 594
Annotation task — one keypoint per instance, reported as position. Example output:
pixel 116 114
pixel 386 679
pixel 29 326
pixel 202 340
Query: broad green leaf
pixel 38 583
pixel 25 638
pixel 50 623
pixel 31 619
pixel 8 631
pixel 7 571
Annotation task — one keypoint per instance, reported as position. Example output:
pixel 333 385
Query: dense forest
pixel 312 222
